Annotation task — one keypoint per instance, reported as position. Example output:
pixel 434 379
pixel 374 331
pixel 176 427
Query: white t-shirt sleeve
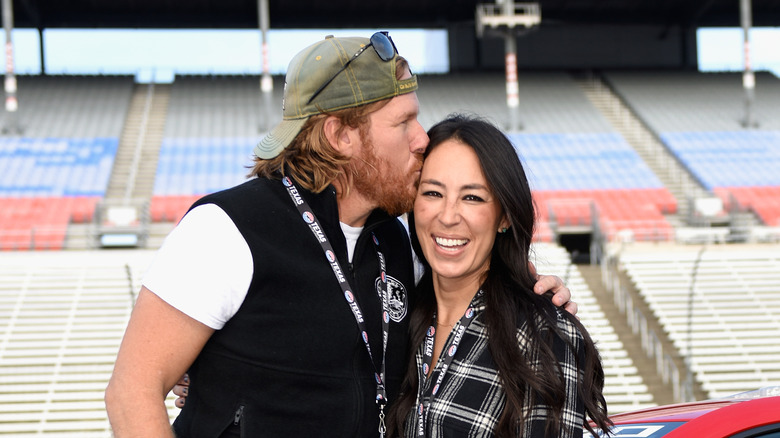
pixel 203 268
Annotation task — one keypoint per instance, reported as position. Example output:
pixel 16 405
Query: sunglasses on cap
pixel 383 46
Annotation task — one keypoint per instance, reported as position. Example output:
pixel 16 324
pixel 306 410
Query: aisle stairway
pixel 135 166
pixel 674 176
pixel 662 393
pixel 625 388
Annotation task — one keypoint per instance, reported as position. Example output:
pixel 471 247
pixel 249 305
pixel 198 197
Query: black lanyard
pixel 330 255
pixel 445 358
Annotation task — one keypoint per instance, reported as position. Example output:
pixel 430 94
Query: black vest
pixel 291 362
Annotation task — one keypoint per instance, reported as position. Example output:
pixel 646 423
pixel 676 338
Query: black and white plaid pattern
pixel 471 398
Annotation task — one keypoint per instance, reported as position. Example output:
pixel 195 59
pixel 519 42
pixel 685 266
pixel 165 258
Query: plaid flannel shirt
pixel 471 398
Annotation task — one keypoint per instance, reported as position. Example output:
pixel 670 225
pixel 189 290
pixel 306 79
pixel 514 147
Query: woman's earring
pixel 503 230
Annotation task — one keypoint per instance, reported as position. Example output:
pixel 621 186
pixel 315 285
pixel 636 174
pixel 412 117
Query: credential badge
pixel 398 301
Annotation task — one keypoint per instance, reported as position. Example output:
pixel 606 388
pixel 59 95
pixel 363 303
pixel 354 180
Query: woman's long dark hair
pixel 509 289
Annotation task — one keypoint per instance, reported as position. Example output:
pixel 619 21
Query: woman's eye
pixel 432 193
pixel 473 198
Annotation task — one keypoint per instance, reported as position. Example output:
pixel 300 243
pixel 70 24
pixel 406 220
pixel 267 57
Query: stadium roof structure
pixel 372 14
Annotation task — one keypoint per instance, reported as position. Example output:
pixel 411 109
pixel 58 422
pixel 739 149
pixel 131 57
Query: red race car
pixel 753 414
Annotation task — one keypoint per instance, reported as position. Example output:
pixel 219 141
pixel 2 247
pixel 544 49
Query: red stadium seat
pixel 640 211
pixel 763 201
pixel 170 208
pixel 83 209
pixel 42 222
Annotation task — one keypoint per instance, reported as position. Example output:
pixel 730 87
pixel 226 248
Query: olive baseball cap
pixel 330 75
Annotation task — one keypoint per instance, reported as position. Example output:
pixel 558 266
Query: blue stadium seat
pixel 56 166
pixel 729 158
pixel 197 166
pixel 582 161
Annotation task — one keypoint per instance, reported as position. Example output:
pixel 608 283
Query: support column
pixel 266 82
pixel 748 77
pixel 509 20
pixel 42 51
pixel 510 67
pixel 512 86
pixel 11 125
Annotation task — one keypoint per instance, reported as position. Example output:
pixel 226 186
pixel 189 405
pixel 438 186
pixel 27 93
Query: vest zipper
pixel 363 235
pixel 237 417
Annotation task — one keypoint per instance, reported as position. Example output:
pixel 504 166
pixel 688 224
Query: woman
pixel 492 357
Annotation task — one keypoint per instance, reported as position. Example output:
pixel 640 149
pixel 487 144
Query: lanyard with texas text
pixel 445 357
pixel 330 255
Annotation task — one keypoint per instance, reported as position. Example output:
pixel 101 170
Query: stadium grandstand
pixel 657 184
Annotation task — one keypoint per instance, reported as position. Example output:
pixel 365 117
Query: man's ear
pixel 341 138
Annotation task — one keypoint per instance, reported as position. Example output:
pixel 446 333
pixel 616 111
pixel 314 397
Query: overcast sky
pixel 162 53
pixel 165 52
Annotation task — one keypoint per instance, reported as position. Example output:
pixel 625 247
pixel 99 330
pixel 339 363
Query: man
pixel 286 298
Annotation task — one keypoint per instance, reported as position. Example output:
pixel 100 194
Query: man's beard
pixel 389 189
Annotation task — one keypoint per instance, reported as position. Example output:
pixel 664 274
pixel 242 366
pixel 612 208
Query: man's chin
pixel 398 205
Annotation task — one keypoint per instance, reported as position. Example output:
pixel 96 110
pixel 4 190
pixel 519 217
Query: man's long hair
pixel 310 159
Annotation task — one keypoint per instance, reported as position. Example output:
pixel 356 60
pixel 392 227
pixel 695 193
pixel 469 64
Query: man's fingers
pixel 180 390
pixel 552 283
pixel 571 307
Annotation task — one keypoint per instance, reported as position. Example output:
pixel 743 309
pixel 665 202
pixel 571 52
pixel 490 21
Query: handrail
pixel 651 343
pixel 35 237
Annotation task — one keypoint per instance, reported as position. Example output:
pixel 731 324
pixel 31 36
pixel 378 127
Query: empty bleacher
pixel 763 201
pixel 580 178
pixel 38 167
pixel 41 223
pixel 700 118
pixel 720 306
pixel 550 102
pixel 60 163
pixel 191 167
pixel 221 106
pixel 61 321
pixel 624 387
pixel 72 106
pixel 687 101
pixel 212 126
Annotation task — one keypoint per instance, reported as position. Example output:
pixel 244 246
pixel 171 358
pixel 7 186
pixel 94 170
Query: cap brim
pixel 279 138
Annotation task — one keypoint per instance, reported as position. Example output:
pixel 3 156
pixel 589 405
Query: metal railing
pixel 43 237
pixel 682 389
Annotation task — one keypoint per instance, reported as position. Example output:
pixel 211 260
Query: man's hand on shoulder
pixel 561 293
pixel 181 389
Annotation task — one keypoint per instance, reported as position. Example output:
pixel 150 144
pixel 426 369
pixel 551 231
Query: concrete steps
pixel 662 394
pixel 133 172
pixel 672 174
pixel 139 147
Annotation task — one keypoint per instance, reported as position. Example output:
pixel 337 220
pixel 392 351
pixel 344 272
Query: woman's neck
pixel 452 299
